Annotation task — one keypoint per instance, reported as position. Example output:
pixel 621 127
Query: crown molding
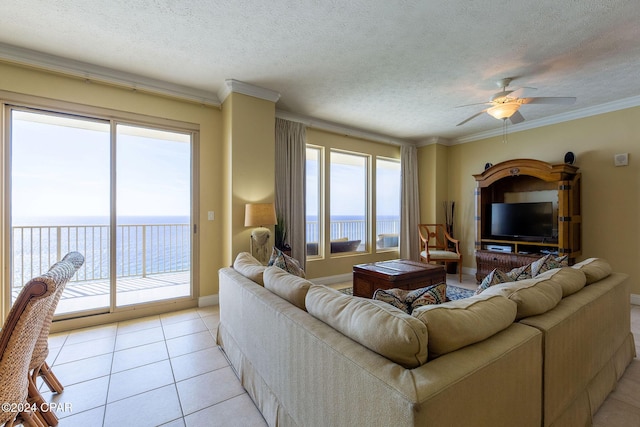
pixel 341 129
pixel 434 140
pixel 236 86
pixel 92 72
pixel 608 107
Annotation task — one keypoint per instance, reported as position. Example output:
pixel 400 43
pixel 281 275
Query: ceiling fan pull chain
pixel 504 131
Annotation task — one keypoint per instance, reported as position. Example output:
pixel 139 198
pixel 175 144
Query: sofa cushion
pixel 376 325
pixel 594 269
pixel 281 260
pixel 571 280
pixel 533 296
pixel 249 267
pixel 459 323
pixel 287 286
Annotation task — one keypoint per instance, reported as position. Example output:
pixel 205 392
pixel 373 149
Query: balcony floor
pixel 91 295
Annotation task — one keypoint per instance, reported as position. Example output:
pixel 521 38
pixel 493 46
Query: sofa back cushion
pixel 533 296
pixel 287 286
pixel 594 269
pixel 249 267
pixel 456 324
pixel 570 280
pixel 374 324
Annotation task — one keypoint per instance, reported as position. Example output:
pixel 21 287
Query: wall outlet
pixel 621 159
pixel 210 216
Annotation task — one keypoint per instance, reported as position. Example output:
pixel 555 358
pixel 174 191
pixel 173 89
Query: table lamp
pixel 260 215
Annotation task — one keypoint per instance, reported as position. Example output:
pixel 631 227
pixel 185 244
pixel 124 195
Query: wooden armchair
pixel 438 246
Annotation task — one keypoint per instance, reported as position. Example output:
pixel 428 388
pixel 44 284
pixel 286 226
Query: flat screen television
pixel 522 220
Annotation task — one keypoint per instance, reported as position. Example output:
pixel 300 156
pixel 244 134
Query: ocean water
pixel 144 245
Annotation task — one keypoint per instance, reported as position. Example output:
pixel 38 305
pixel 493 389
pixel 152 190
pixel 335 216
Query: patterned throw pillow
pixel 432 295
pixel 521 273
pixel 407 301
pixel 395 297
pixel 285 262
pixel 495 277
pixel 548 262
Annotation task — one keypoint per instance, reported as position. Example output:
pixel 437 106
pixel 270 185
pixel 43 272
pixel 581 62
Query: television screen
pixel 532 220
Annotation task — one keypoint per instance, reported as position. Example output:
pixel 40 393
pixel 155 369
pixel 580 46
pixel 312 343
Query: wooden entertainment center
pixel 527 180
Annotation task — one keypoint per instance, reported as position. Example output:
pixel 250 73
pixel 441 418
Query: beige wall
pixel 249 138
pixel 56 87
pixel 610 195
pixel 433 161
pixel 333 265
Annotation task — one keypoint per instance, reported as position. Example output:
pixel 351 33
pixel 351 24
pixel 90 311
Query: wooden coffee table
pixel 397 273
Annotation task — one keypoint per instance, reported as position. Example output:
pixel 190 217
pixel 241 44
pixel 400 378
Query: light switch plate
pixel 210 216
pixel 621 159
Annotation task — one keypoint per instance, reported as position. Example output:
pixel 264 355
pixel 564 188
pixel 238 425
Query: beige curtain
pixel 409 204
pixel 290 183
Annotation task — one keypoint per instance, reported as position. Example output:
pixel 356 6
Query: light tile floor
pixel 166 370
pixel 161 370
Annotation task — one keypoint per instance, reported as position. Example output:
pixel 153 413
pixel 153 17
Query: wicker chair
pixel 17 341
pixel 62 271
pixel 438 246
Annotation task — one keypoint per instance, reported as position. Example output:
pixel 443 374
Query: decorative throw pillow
pixel 428 296
pixel 548 262
pixel 395 297
pixel 285 262
pixel 495 277
pixel 520 273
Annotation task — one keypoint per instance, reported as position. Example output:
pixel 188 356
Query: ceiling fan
pixel 505 104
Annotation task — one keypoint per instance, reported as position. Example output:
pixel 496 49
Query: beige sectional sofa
pixel 312 356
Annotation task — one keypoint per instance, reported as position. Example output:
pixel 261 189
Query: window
pixel 137 245
pixel 348 202
pixel 313 200
pixel 387 203
pixel 343 182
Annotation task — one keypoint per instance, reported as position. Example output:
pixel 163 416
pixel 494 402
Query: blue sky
pixel 347 191
pixel 60 167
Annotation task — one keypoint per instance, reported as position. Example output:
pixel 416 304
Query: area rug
pixel 453 292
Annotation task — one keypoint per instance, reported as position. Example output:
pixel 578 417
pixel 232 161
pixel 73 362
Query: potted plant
pixel 449 209
pixel 280 236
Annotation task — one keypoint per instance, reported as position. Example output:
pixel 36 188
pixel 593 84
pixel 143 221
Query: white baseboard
pixel 330 280
pixel 635 299
pixel 208 300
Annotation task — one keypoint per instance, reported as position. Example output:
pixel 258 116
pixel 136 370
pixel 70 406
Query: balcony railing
pixel 352 229
pixel 140 250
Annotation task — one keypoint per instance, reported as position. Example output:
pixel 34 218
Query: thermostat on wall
pixel 621 159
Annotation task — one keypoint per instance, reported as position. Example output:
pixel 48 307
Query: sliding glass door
pixel 117 193
pixel 153 220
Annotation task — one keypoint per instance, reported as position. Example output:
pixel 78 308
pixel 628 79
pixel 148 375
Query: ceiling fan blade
pixel 475 103
pixel 517 93
pixel 516 118
pixel 472 117
pixel 558 100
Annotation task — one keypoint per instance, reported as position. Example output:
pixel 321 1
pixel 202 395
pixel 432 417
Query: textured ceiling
pixel 397 68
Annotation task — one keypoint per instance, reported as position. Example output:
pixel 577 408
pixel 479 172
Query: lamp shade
pixel 504 111
pixel 259 214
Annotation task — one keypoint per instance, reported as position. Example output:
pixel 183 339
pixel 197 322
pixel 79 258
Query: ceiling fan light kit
pixel 504 111
pixel 505 104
